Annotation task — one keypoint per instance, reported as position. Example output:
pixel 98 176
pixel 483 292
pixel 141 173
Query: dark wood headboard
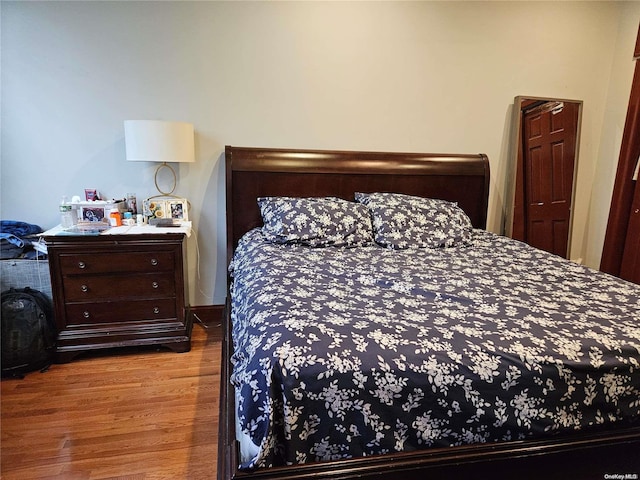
pixel 258 172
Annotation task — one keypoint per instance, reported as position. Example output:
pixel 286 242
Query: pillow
pixel 404 221
pixel 317 222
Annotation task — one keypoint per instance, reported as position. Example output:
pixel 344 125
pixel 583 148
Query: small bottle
pixel 66 213
pixel 115 220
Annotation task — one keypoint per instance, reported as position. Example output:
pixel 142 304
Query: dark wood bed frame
pixel 255 172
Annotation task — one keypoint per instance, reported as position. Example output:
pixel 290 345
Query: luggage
pixel 28 331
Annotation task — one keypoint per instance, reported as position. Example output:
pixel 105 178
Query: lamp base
pixel 186 206
pixel 155 179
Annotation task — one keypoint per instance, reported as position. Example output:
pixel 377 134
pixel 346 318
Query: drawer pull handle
pixel 154 261
pixel 86 314
pixel 81 265
pixel 84 288
pixel 155 285
pixel 156 309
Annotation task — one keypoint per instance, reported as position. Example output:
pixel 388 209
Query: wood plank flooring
pixel 134 414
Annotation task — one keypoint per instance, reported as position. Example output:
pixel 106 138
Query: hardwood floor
pixel 129 414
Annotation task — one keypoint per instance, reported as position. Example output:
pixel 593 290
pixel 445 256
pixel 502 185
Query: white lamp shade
pixel 157 141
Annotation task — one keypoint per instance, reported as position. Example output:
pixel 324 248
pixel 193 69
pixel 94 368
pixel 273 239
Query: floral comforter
pixel 346 352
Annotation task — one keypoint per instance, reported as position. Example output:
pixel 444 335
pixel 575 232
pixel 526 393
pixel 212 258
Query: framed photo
pixel 178 209
pixel 154 208
pixel 93 214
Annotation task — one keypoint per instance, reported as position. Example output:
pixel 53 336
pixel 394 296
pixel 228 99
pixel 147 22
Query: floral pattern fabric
pixel 405 221
pixel 343 353
pixel 315 221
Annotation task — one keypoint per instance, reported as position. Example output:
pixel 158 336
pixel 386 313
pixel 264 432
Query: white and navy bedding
pixel 345 352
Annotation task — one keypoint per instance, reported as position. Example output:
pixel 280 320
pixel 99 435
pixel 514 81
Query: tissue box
pixel 98 211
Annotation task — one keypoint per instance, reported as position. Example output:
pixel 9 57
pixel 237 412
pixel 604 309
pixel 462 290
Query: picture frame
pixel 97 211
pixel 178 209
pixel 172 208
pixel 92 214
pixel 154 208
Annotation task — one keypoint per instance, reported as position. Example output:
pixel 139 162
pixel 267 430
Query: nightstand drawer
pixel 89 288
pixel 116 262
pixel 120 312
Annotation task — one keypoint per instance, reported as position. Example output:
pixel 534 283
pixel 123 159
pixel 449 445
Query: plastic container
pixel 115 219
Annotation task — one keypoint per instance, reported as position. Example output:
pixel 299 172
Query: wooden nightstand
pixel 119 290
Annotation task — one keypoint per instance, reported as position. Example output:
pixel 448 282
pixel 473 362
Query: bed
pixel 559 446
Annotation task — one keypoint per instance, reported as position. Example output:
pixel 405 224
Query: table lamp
pixel 159 141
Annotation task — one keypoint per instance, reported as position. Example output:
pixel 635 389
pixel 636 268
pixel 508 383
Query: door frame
pixel 623 191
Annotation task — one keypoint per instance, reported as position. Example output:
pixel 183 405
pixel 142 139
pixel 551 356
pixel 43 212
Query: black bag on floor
pixel 28 332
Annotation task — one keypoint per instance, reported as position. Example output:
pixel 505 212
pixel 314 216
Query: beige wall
pixel 415 76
